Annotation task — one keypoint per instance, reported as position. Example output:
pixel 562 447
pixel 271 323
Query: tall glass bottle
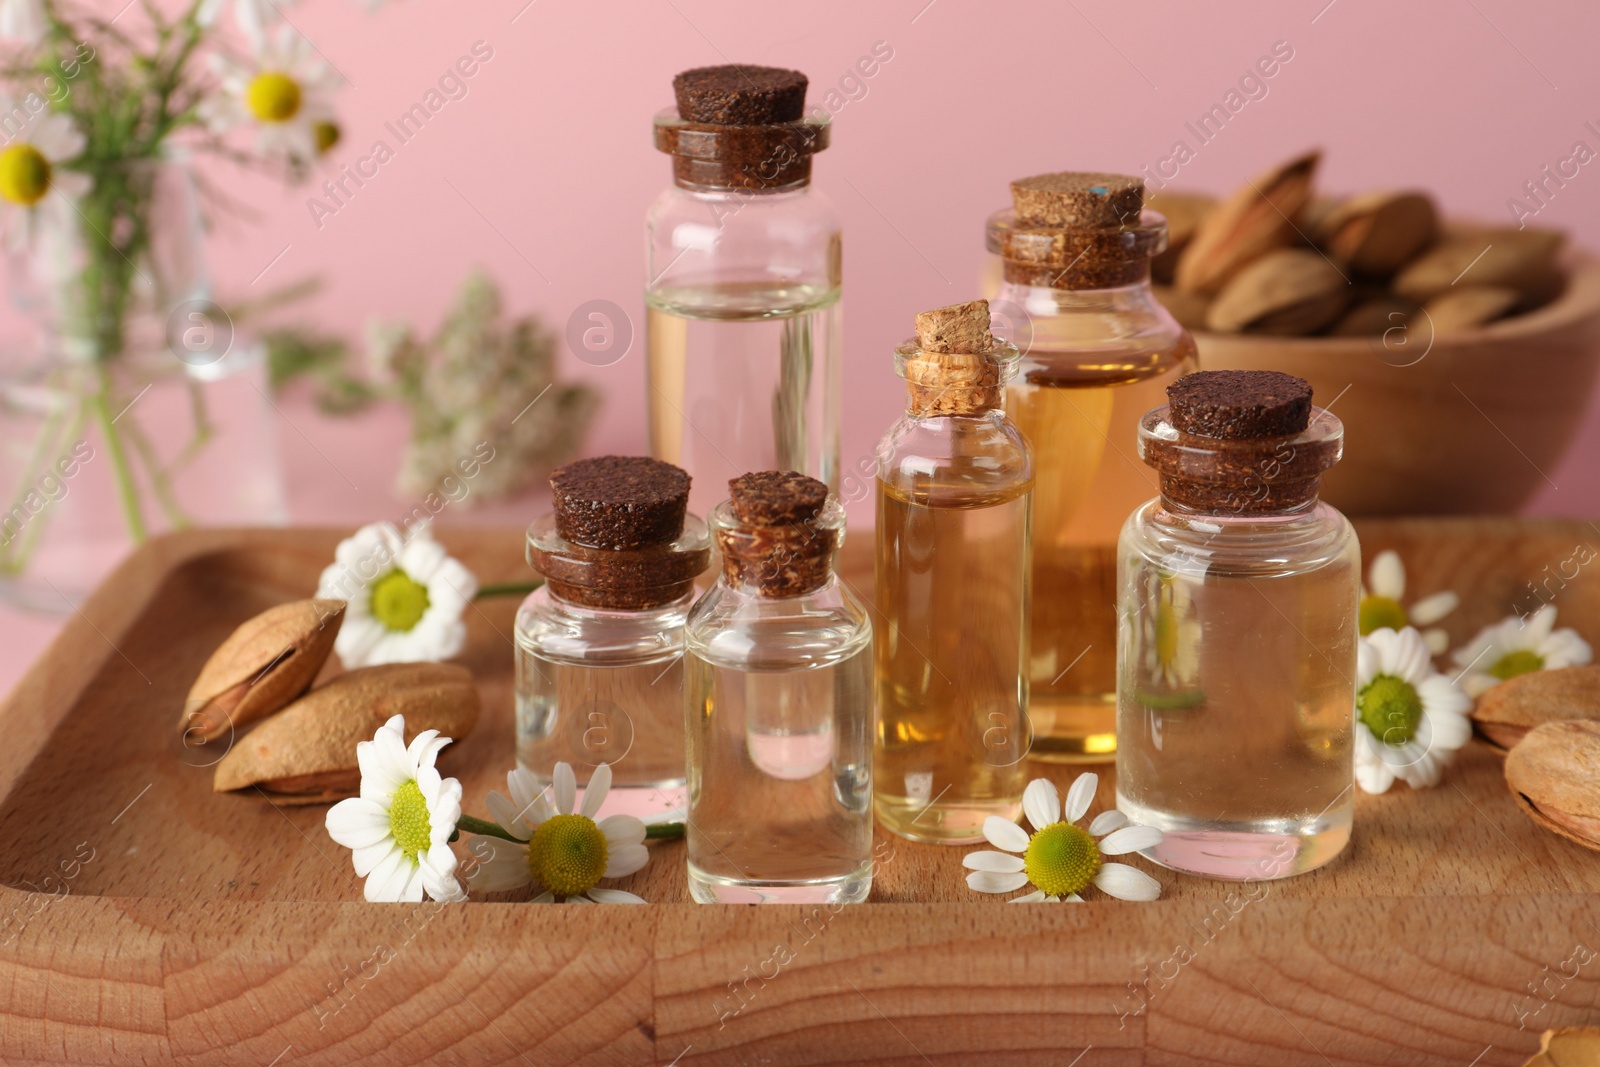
pixel 954 492
pixel 600 644
pixel 1097 352
pixel 1237 594
pixel 742 291
pixel 778 691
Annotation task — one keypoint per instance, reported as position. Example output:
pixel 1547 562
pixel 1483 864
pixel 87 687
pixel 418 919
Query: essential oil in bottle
pixel 778 696
pixel 600 644
pixel 742 290
pixel 1237 594
pixel 954 491
pixel 1097 352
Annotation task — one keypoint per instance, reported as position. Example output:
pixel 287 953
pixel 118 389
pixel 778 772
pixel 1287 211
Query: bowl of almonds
pixel 1461 356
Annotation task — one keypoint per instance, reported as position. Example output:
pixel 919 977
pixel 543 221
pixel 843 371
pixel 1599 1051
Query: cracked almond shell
pixel 261 667
pixel 1554 775
pixel 306 754
pixel 1507 712
pixel 1288 292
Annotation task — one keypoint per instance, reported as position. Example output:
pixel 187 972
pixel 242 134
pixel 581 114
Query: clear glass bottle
pixel 742 298
pixel 954 496
pixel 778 691
pixel 1237 594
pixel 599 646
pixel 1098 351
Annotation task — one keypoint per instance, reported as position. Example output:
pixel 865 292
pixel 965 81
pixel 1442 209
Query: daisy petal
pixel 1126 883
pixel 622 830
pixel 594 794
pixel 1042 803
pixel 387 882
pixel 1388 575
pixel 1437 640
pixel 500 866
pixel 626 859
pixel 995 882
pixel 1130 839
pixel 614 896
pixel 565 786
pixel 1034 897
pixel 1002 833
pixel 1081 794
pixel 1430 609
pixel 999 862
pixel 1107 821
pixel 356 823
pixel 504 812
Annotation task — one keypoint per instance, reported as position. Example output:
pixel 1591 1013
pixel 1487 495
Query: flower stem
pixel 485 828
pixel 663 831
pixel 507 589
pixel 126 489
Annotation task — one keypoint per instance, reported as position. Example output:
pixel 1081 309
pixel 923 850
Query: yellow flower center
pixel 408 820
pixel 399 601
pixel 1378 612
pixel 24 175
pixel 567 854
pixel 1390 708
pixel 273 96
pixel 327 134
pixel 1522 661
pixel 1061 859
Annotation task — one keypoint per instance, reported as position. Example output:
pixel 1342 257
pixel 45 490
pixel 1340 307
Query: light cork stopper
pixel 953 372
pixel 1072 199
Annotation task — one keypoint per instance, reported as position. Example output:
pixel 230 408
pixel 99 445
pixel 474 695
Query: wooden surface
pixel 147 920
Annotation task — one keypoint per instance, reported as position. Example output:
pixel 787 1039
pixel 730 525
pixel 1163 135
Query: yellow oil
pixel 1080 410
pixel 951 648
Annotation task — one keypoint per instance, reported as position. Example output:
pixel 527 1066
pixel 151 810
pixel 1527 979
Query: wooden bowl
pixel 1469 423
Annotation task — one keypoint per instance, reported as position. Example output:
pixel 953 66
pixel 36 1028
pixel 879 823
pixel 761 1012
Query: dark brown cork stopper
pixel 739 95
pixel 1240 404
pixel 774 498
pixel 619 502
pixel 1075 199
pixel 785 538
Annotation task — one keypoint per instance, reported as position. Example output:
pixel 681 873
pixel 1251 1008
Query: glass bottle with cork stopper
pixel 954 493
pixel 1237 596
pixel 1097 351
pixel 778 696
pixel 742 292
pixel 600 644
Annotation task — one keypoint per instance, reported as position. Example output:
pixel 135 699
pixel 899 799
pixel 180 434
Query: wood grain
pixel 147 921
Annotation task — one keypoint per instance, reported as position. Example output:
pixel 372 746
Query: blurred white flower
pixel 1517 645
pixel 1410 719
pixel 1381 603
pixel 406 597
pixel 253 16
pixel 286 91
pixel 23 20
pixel 38 199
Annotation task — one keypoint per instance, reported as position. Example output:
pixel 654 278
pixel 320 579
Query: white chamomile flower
pixel 1518 645
pixel 1410 719
pixel 399 827
pixel 406 597
pixel 1172 635
pixel 37 195
pixel 563 852
pixel 1061 859
pixel 23 20
pixel 285 91
pixel 1381 606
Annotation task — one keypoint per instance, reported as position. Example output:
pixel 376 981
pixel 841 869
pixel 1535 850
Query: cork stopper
pixel 619 502
pixel 955 366
pixel 740 95
pixel 777 532
pixel 1077 199
pixel 1240 443
pixel 1238 404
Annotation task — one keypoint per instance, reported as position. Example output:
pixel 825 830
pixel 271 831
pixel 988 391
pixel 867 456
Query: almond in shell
pixel 306 754
pixel 1378 233
pixel 1507 712
pixel 264 664
pixel 1254 220
pixel 1376 316
pixel 1184 212
pixel 1524 260
pixel 1289 292
pixel 1554 775
pixel 1466 306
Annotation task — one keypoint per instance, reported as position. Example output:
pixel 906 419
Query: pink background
pixel 542 173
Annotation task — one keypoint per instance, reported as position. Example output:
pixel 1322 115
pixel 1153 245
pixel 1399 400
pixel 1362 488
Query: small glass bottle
pixel 1237 596
pixel 600 644
pixel 955 491
pixel 1097 352
pixel 778 692
pixel 742 291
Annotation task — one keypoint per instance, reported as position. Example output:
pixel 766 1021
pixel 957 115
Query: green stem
pixel 484 828
pixel 507 589
pixel 126 489
pixel 663 831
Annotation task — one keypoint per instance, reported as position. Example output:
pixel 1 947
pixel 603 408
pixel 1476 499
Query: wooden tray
pixel 149 921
